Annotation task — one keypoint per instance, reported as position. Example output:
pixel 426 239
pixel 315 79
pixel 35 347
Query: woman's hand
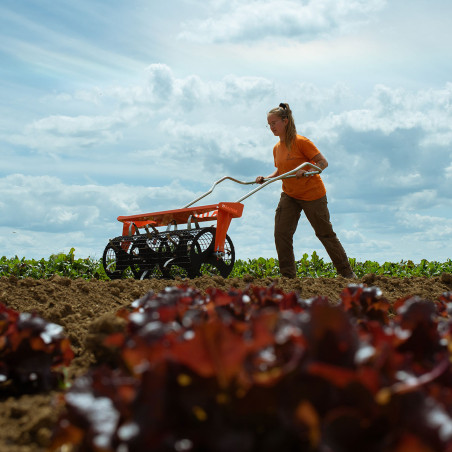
pixel 300 173
pixel 262 179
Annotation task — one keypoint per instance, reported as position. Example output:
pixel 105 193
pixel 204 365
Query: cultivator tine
pixel 165 265
pixel 190 219
pixel 148 234
pixel 170 239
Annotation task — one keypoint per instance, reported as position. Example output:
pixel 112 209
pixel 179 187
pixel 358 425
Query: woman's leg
pixel 318 215
pixel 286 220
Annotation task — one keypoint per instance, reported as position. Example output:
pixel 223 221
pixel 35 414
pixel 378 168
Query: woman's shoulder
pixel 306 146
pixel 302 139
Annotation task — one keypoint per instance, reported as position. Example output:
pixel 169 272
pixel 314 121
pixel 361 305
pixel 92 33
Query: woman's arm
pixel 319 160
pixel 261 179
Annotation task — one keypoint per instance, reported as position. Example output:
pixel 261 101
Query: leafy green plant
pixel 402 268
pixel 61 264
pixel 314 266
pixel 258 268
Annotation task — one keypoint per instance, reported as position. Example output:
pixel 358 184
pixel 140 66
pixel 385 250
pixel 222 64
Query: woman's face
pixel 277 125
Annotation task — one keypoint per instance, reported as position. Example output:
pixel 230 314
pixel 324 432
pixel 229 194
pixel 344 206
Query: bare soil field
pixel 86 310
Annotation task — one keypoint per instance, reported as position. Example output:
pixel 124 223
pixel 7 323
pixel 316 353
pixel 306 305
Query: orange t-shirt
pixel 303 150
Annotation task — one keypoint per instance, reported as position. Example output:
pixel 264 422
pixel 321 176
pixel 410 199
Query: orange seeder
pixel 188 252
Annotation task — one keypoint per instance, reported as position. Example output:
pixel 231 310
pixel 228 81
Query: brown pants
pixel 286 221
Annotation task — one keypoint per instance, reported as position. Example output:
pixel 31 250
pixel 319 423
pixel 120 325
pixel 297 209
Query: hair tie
pixel 283 105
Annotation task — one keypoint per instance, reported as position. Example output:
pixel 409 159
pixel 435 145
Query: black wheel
pixel 204 261
pixel 115 259
pixel 156 257
pixel 174 255
pixel 140 259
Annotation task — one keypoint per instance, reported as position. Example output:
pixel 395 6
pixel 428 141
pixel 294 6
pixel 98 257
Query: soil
pixel 86 310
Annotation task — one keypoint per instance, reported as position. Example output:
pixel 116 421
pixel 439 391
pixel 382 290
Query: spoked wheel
pixel 115 259
pixel 144 260
pixel 204 261
pixel 174 256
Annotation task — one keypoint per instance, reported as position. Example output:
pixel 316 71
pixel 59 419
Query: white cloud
pixel 426 227
pixel 388 110
pixel 59 216
pixel 158 99
pixel 46 202
pixel 75 126
pixel 448 172
pixel 163 90
pixel 312 99
pixel 241 22
pixel 352 236
pixel 420 200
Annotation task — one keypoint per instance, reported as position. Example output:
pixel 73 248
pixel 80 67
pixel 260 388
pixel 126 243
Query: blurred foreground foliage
pixel 67 265
pixel 263 370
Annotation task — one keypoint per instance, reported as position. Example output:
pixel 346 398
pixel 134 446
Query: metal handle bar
pixel 268 181
pixel 287 175
pixel 214 185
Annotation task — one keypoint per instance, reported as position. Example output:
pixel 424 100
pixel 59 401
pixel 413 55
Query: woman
pixel 300 193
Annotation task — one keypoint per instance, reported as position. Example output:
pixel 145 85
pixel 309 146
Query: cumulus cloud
pixel 399 136
pixel 81 216
pixel 392 109
pixel 160 97
pixel 420 200
pixel 425 227
pixel 163 90
pixel 61 133
pixel 314 101
pixel 448 172
pixel 47 203
pixel 74 126
pixel 240 22
pixel 389 110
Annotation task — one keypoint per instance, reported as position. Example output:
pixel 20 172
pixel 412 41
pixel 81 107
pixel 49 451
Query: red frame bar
pixel 223 212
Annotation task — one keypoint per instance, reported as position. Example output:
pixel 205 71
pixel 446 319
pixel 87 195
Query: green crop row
pixel 315 266
pixel 308 266
pixel 57 264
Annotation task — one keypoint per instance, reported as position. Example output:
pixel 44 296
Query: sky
pixel 113 108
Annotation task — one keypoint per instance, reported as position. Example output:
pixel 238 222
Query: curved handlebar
pixel 214 185
pixel 268 181
pixel 287 175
